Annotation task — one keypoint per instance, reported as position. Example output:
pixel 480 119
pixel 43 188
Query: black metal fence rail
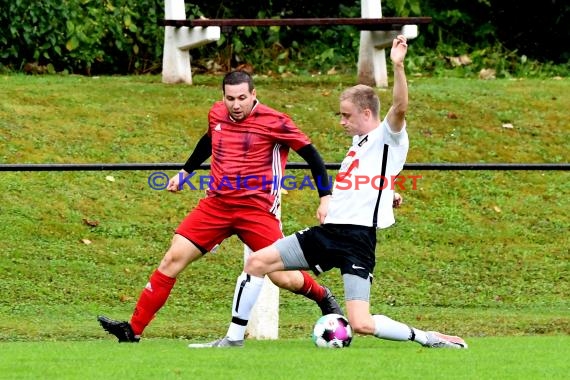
pixel 291 165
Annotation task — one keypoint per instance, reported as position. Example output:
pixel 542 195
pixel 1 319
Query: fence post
pixel 264 319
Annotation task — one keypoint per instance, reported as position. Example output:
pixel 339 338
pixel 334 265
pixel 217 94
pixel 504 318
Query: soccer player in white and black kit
pixel 361 203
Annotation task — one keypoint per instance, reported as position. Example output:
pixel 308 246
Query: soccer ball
pixel 332 331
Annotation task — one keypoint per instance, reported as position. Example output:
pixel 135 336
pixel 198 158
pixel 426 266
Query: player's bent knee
pixel 255 266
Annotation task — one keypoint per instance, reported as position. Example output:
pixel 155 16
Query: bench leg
pixel 371 61
pixel 175 62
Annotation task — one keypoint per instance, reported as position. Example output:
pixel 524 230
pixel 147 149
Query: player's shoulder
pixel 218 110
pixel 218 106
pixel 386 131
pixel 264 110
pixel 381 137
pixel 274 121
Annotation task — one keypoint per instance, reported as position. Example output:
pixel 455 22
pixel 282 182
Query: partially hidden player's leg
pixel 154 295
pixel 301 282
pixel 247 289
pixel 357 293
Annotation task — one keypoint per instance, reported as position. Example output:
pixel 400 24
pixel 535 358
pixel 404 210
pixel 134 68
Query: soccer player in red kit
pixel 248 143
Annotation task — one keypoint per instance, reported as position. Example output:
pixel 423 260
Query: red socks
pixel 311 288
pixel 152 298
pixel 157 290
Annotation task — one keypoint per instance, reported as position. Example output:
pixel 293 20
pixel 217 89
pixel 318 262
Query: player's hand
pixel 174 183
pixel 323 208
pixel 399 49
pixel 397 200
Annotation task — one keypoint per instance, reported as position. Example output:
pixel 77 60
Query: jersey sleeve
pixel 396 138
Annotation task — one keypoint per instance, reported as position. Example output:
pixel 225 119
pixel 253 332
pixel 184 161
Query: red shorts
pixel 215 219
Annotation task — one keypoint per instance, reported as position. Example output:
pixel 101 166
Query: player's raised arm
pixel 397 113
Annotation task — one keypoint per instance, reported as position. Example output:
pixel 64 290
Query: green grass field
pixel 481 254
pixel 537 357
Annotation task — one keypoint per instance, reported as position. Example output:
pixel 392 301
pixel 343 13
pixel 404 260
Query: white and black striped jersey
pixel 364 187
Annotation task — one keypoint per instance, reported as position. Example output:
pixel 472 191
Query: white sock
pixel 419 336
pixel 386 328
pixel 245 295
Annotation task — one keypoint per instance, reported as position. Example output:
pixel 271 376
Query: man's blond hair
pixel 363 97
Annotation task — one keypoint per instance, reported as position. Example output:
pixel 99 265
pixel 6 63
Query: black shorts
pixel 347 247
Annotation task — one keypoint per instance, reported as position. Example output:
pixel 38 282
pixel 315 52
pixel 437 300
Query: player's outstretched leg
pixel 387 328
pixel 121 329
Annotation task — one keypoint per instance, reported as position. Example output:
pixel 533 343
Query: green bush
pixel 126 36
pixel 86 36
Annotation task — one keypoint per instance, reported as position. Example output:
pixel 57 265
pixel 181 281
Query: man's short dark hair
pixel 237 77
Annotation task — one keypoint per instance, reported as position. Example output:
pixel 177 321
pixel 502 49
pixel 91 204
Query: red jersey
pixel 249 156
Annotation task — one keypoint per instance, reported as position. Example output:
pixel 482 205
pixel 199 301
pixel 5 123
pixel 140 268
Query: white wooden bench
pixel 376 34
